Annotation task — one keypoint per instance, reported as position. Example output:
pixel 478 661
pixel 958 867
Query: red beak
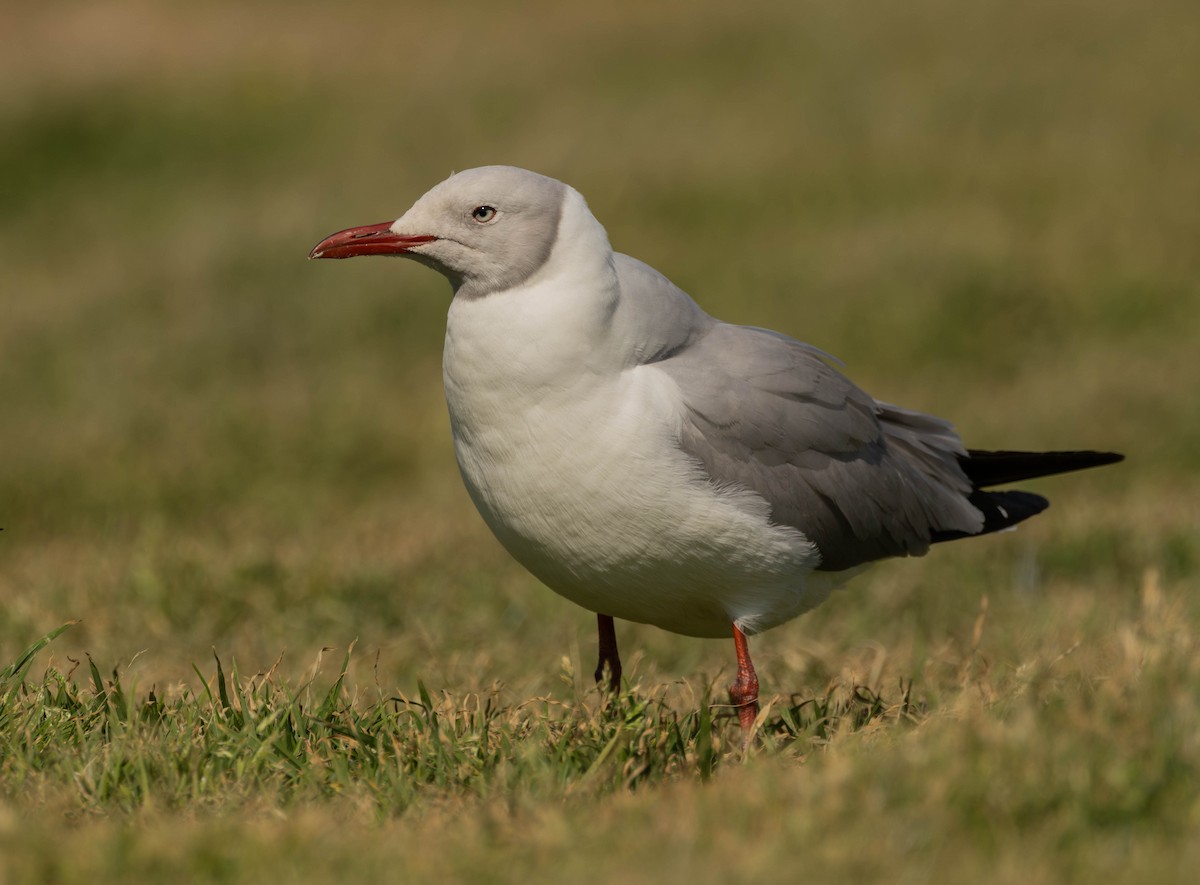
pixel 373 239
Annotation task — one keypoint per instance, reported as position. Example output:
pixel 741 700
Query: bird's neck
pixel 542 334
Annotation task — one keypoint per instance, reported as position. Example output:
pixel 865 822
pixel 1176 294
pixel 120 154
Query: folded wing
pixel 862 479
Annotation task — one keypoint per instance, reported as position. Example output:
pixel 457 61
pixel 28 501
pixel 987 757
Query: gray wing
pixel 861 479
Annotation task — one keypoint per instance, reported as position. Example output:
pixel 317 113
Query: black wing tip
pixel 1090 456
pixel 1087 458
pixel 991 468
pixel 1009 508
pixel 1001 510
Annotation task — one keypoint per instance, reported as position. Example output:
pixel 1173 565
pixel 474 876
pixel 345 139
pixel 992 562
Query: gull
pixel 651 463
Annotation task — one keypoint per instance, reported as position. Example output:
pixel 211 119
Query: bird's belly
pixel 588 490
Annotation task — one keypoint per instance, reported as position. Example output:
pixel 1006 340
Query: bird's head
pixel 487 229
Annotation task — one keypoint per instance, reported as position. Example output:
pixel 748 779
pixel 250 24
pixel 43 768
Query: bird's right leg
pixel 610 660
pixel 744 691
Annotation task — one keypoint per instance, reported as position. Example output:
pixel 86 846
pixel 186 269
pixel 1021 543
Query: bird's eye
pixel 483 214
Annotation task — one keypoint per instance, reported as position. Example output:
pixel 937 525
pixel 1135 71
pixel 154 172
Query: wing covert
pixel 863 480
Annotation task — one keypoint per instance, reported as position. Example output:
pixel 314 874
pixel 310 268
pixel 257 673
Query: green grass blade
pixel 18 668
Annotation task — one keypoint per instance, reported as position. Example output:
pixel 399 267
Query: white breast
pixel 568 450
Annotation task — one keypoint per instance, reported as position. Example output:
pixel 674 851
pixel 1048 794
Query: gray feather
pixel 861 479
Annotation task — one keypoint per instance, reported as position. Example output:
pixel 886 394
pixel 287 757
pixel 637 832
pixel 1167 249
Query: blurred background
pixel 990 211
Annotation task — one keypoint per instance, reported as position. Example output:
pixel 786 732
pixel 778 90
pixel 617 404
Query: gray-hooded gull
pixel 651 463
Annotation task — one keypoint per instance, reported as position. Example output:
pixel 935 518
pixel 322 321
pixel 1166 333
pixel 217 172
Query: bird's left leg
pixel 744 691
pixel 610 660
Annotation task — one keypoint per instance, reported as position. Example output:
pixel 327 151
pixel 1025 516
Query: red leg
pixel 610 660
pixel 744 691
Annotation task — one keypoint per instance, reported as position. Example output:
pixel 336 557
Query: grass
pixel 1074 768
pixel 209 446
